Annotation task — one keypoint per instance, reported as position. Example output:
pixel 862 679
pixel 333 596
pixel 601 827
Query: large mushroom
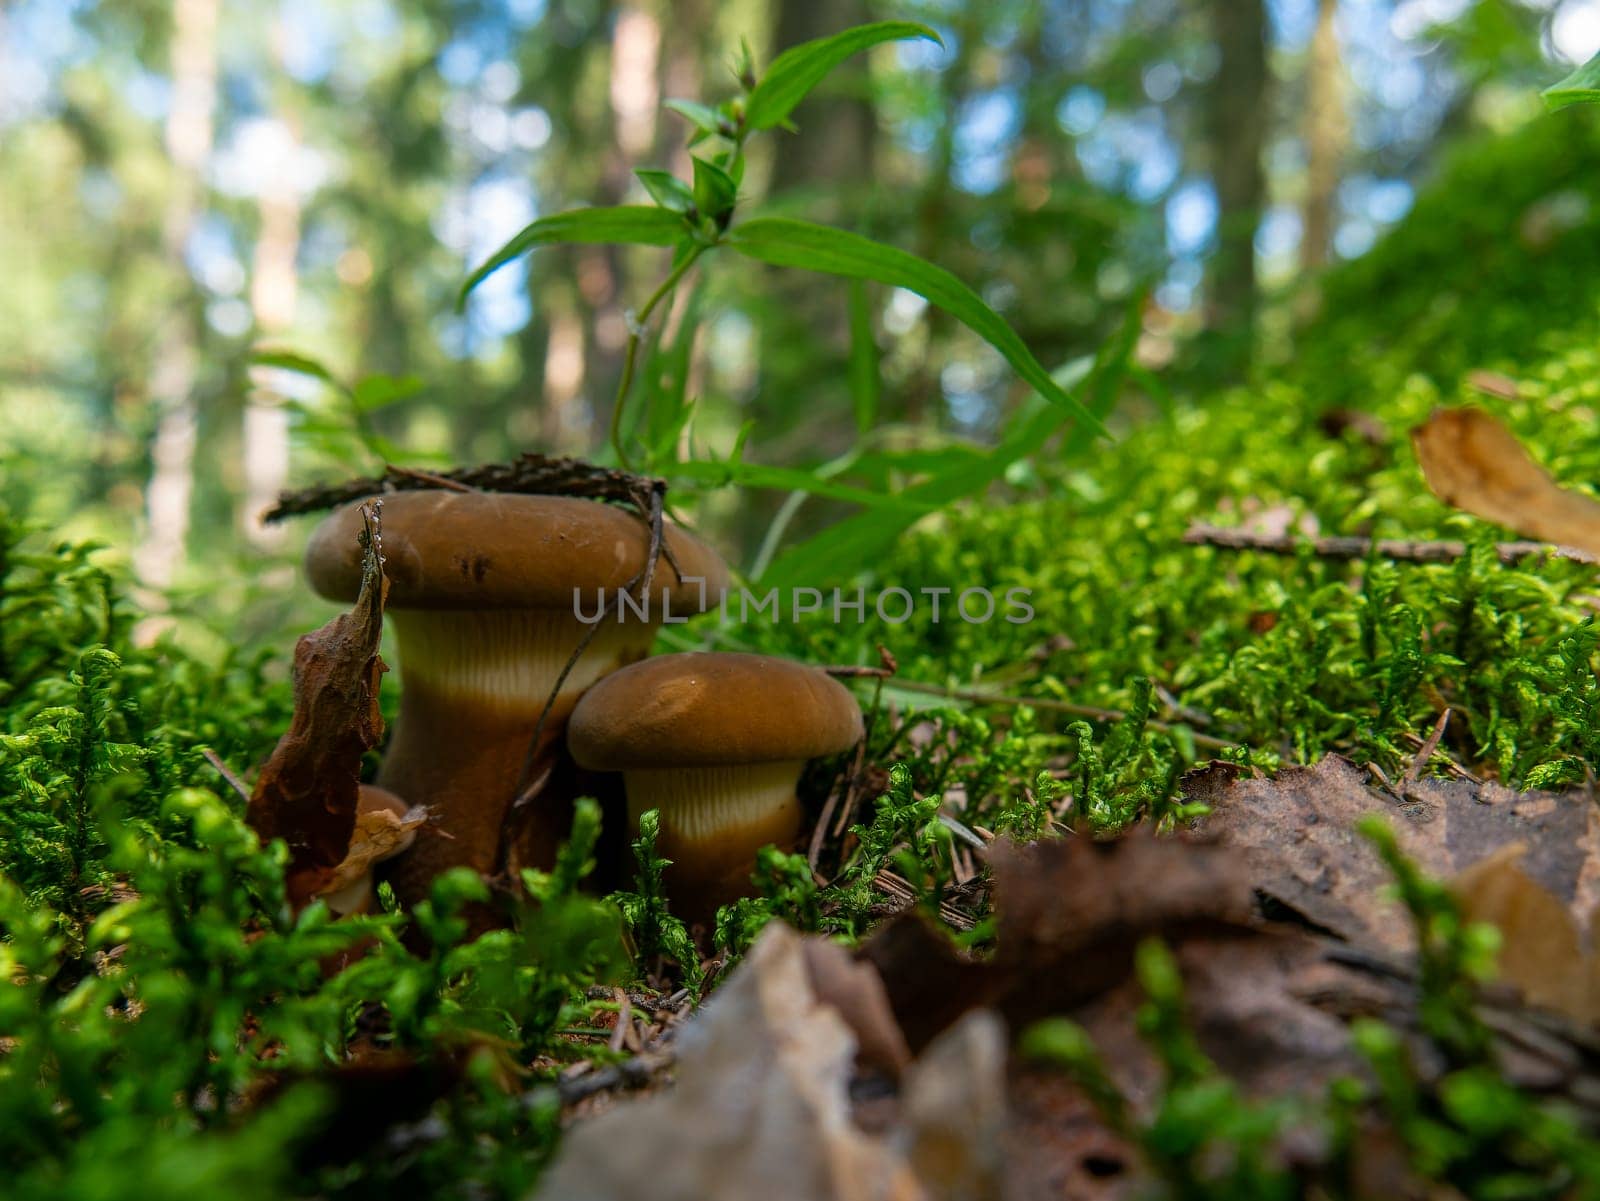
pixel 715 742
pixel 486 591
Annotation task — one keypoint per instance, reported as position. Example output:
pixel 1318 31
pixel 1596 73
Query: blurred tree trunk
pixel 834 145
pixel 274 291
pixel 1326 133
pixel 189 133
pixel 635 95
pixel 1238 120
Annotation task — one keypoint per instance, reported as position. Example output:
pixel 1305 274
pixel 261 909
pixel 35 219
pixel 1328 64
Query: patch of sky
pixel 1191 217
pixel 985 129
pixel 212 256
pixel 309 43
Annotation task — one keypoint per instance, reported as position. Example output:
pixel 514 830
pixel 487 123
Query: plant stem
pixel 631 355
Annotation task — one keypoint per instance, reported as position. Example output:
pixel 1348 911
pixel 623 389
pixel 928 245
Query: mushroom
pixel 485 594
pixel 385 826
pixel 715 742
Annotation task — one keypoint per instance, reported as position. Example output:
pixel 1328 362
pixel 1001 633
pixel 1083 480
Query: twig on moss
pixel 637 1072
pixel 1419 761
pixel 1347 547
pixel 1051 705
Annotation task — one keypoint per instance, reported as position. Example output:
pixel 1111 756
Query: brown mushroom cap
pixel 490 550
pixel 706 708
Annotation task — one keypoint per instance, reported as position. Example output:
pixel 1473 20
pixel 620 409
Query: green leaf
pixel 378 391
pixel 1581 87
pixel 633 224
pixel 784 242
pixel 800 68
pixel 865 385
pixel 299 364
pixel 720 473
pixel 666 383
pixel 702 116
pixel 667 190
pixel 714 190
pixel 849 545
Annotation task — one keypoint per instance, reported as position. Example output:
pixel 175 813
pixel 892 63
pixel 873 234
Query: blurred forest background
pixel 188 181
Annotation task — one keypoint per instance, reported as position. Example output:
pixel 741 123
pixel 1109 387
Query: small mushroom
pixel 485 594
pixel 385 826
pixel 715 742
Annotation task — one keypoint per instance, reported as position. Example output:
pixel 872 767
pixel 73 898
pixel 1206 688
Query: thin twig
pixel 1407 550
pixel 1419 761
pixel 1450 765
pixel 650 504
pixel 637 1072
pixel 1051 705
pixel 430 479
pixel 226 772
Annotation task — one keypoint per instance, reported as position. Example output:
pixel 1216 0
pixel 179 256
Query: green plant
pixel 655 930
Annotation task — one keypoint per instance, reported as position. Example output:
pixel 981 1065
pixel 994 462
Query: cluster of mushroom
pixel 483 589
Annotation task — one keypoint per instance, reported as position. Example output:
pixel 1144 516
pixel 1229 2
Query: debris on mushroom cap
pixel 710 708
pixel 486 550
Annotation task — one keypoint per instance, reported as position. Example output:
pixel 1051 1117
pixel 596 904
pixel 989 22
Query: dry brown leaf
pixel 761 1106
pixel 1542 952
pixel 308 790
pixel 855 991
pixel 1472 462
pixel 1298 833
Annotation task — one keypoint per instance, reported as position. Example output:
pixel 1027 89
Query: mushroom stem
pixel 509 659
pixel 475 683
pixel 713 821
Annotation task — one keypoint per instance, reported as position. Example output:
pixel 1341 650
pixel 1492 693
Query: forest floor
pixel 1099 908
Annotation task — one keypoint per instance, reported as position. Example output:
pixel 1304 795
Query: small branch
pixel 531 474
pixel 227 773
pixel 637 1072
pixel 1404 550
pixel 1051 705
pixel 1419 761
pixel 650 502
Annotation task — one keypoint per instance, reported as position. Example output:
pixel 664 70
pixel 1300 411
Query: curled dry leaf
pixel 1472 462
pixel 1542 951
pixel 380 833
pixel 308 790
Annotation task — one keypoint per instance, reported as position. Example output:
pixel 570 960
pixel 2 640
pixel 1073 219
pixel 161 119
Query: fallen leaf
pixel 760 1107
pixel 1472 462
pixel 1297 832
pixel 308 790
pixel 855 991
pixel 954 1112
pixel 1542 952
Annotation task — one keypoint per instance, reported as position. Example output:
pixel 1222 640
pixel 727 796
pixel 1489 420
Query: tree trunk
pixel 834 145
pixel 188 137
pixel 273 293
pixel 1238 119
pixel 1326 131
